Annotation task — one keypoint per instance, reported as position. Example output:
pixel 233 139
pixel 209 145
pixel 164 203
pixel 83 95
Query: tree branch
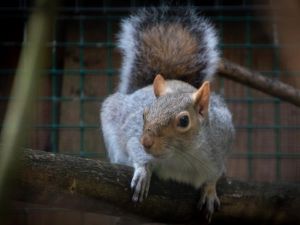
pixel 93 185
pixel 255 80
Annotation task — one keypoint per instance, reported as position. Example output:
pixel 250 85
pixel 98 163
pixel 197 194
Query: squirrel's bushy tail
pixel 179 44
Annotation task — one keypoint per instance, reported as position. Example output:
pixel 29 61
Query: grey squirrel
pixel 159 120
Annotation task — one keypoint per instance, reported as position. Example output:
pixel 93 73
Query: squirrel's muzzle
pixel 147 141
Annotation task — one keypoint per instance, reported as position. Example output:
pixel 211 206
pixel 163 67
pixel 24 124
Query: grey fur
pixel 136 73
pixel 205 153
pixel 195 157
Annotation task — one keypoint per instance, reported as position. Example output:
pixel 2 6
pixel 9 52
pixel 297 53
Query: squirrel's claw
pixel 140 184
pixel 209 201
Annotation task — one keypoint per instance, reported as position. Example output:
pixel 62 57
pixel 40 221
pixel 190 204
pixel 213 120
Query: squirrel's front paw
pixel 209 201
pixel 140 183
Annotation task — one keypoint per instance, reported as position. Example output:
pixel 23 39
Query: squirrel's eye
pixel 183 121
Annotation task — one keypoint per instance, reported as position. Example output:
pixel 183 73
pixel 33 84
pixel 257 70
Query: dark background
pixel 84 68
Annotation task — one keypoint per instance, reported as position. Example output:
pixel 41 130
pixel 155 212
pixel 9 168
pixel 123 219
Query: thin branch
pixel 255 80
pixel 33 59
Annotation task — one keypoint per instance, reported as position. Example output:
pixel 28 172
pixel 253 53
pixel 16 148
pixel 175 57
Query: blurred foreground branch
pixel 33 60
pixel 255 80
pixel 91 185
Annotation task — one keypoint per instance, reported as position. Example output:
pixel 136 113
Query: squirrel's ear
pixel 201 98
pixel 159 86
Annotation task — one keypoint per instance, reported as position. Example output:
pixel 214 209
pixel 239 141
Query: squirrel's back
pixel 179 44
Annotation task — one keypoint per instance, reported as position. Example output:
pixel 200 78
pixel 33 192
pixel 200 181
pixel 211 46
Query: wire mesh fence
pixel 84 68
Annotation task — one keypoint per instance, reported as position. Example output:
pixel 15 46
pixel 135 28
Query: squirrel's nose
pixel 147 141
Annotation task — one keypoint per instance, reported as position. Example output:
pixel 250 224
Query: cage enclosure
pixel 84 67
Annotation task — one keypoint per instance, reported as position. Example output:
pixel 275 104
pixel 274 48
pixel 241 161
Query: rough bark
pixel 94 185
pixel 255 80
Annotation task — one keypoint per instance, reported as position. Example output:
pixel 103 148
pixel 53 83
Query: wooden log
pixel 255 80
pixel 98 186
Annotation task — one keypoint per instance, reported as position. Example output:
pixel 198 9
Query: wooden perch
pixel 93 185
pixel 255 80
